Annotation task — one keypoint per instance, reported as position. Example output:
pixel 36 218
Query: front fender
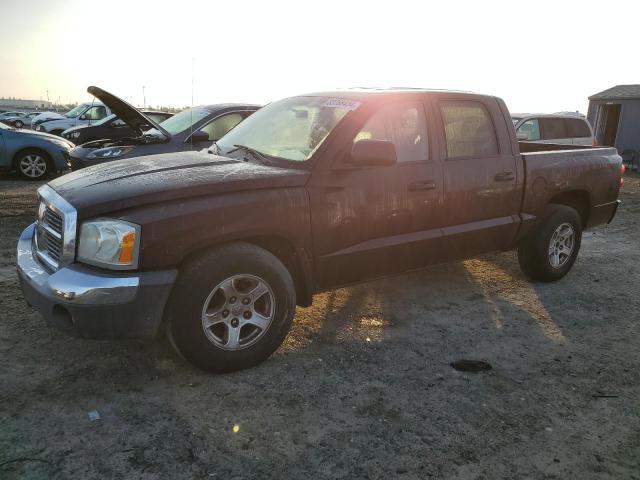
pixel 172 231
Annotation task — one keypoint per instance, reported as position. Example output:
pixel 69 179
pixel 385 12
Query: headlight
pixel 39 127
pixel 109 243
pixel 73 135
pixel 110 152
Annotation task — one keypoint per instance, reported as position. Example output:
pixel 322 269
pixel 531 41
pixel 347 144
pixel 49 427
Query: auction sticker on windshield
pixel 341 103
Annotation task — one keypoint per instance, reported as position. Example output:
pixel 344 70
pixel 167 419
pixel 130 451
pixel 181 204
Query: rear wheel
pixel 549 252
pixel 18 124
pixel 32 164
pixel 231 308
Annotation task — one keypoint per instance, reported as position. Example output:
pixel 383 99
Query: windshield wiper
pixel 255 153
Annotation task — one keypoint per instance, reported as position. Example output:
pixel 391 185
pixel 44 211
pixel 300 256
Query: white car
pixel 18 119
pixel 84 114
pixel 565 129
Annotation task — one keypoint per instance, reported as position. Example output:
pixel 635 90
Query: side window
pixel 553 128
pixel 404 125
pixel 97 112
pixel 220 126
pixel 531 128
pixel 577 128
pixel 468 129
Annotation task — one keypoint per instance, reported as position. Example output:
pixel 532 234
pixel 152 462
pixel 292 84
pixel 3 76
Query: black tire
pixel 198 279
pixel 25 158
pixel 18 124
pixel 533 252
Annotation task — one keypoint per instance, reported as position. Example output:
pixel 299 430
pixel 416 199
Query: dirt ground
pixel 361 389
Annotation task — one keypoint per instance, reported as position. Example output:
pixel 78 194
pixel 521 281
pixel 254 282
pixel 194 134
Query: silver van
pixel 561 129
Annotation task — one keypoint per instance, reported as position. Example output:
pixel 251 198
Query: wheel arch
pixel 46 154
pixel 295 259
pixel 579 200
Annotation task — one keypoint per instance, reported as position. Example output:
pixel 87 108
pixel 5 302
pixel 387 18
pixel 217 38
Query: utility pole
pixel 144 99
pixel 48 96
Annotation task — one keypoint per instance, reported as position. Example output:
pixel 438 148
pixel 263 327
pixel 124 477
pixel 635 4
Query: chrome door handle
pixel 424 185
pixel 504 177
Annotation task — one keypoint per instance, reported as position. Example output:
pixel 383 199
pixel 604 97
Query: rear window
pixel 468 129
pixel 553 128
pixel 577 128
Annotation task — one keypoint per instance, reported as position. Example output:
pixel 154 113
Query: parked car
pixel 308 194
pixel 568 129
pixel 4 115
pixel 84 114
pixel 19 119
pixel 191 129
pixel 112 128
pixel 32 154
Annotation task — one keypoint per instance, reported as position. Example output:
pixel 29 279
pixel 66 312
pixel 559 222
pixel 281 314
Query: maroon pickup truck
pixel 309 193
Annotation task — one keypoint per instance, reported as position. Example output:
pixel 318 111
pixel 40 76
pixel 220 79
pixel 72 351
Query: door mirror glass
pixel 200 136
pixel 373 153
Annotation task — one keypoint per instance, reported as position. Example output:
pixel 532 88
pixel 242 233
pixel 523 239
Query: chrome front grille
pixel 55 229
pixel 54 220
pixel 50 232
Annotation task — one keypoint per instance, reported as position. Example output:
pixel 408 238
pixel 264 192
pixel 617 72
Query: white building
pixel 7 103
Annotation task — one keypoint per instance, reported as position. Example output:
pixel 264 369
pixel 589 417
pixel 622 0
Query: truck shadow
pixel 489 291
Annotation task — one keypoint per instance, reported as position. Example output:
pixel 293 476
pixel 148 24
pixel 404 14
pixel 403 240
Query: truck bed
pixel 590 175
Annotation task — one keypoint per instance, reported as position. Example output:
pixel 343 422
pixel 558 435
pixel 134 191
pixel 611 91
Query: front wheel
pixel 18 124
pixel 32 164
pixel 231 307
pixel 549 252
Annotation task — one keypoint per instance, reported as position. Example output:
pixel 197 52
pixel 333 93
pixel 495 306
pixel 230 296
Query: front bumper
pixel 60 160
pixel 88 303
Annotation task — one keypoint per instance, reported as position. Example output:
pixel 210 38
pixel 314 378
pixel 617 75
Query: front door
pixel 377 220
pixel 481 203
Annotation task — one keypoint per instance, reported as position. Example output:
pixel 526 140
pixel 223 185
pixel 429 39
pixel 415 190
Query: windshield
pixel 74 112
pixel 183 120
pixel 290 129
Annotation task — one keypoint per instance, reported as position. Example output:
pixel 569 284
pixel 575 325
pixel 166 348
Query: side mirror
pixel 366 153
pixel 522 136
pixel 200 136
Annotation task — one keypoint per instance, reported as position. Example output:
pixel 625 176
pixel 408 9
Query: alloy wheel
pixel 238 312
pixel 33 165
pixel 561 245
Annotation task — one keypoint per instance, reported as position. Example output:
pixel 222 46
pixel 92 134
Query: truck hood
pixel 126 112
pixel 122 184
pixel 46 116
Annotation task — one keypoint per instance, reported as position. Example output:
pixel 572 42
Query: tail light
pixel 622 170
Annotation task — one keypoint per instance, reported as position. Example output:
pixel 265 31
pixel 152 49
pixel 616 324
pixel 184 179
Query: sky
pixel 539 56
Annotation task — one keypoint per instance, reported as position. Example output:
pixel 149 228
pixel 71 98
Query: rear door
pixel 378 220
pixel 481 203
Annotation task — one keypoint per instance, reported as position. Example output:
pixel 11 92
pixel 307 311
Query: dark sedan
pixel 111 127
pixel 192 129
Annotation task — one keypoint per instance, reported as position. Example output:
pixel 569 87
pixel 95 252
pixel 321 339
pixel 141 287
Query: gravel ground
pixel 362 387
